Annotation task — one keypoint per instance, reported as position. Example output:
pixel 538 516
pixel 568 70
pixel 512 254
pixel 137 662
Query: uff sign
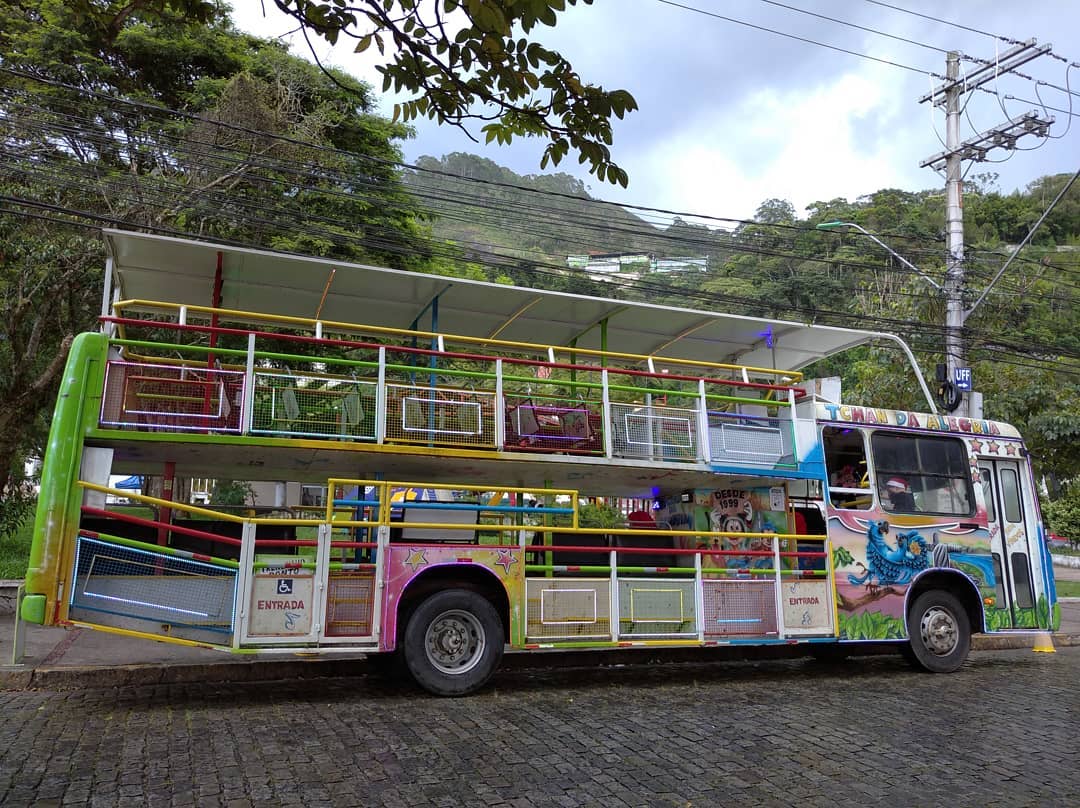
pixel 962 379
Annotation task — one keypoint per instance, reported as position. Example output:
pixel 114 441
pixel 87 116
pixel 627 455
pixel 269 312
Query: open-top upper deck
pixel 293 365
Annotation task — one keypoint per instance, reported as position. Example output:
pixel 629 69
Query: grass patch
pixel 15 550
pixel 1068 589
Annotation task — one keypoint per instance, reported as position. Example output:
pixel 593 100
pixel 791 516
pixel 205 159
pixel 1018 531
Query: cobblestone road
pixel 1003 731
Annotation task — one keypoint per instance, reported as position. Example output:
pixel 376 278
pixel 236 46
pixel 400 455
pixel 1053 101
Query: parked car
pixel 1057 542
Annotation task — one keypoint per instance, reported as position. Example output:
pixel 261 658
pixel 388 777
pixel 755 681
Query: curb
pixel 80 677
pixel 75 677
pixel 1018 642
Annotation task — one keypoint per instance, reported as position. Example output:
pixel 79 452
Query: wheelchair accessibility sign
pixel 281 602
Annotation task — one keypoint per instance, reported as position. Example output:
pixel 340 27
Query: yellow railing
pixel 320 327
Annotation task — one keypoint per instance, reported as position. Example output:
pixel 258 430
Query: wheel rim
pixel 454 642
pixel 939 631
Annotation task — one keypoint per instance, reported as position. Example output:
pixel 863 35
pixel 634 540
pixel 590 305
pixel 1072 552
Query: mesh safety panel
pixel 113 581
pixel 740 608
pixel 313 406
pixel 440 415
pixel 748 439
pixel 656 608
pixel 350 603
pixel 549 424
pixel 568 609
pixel 168 398
pixel 655 433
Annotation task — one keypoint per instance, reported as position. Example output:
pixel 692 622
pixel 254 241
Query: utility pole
pixel 954 224
pixel 951 160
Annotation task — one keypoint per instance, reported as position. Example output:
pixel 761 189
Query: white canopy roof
pixel 182 271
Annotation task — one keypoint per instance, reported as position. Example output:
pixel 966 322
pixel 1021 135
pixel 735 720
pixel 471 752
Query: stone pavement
pixel 58 658
pixel 801 733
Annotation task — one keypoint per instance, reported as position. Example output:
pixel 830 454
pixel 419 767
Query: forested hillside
pixel 1023 340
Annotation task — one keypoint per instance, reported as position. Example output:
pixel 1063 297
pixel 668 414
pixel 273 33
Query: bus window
pixel 988 495
pixel 1010 495
pixel 922 474
pixel 845 459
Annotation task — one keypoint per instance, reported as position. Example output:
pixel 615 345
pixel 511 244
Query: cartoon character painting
pixel 891 565
pixel 732 511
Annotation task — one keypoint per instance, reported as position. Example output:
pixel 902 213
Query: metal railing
pixel 350 387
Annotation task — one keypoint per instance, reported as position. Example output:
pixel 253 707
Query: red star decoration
pixel 1011 449
pixel 506 560
pixel 976 445
pixel 993 447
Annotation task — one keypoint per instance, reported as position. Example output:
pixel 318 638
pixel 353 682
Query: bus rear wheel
pixel 453 642
pixel 940 632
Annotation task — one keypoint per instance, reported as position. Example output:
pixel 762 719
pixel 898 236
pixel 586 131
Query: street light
pixel 951 398
pixel 884 246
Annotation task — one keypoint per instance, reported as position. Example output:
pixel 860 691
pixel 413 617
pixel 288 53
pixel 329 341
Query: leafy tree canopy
pixel 267 150
pixel 464 61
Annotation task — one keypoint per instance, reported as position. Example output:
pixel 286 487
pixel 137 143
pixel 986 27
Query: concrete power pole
pixel 951 160
pixel 954 224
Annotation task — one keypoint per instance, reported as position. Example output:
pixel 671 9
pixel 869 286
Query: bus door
pixel 1009 542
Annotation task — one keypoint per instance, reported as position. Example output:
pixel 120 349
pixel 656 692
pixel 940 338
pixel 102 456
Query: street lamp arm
pixel 884 246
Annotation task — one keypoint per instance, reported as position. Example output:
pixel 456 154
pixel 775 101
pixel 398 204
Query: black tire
pixel 939 631
pixel 453 643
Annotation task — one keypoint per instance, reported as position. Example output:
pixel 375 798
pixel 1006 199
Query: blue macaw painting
pixel 892 565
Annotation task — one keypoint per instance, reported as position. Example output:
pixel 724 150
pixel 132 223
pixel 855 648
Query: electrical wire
pixel 854 25
pixel 807 40
pixel 660 288
pixel 1006 39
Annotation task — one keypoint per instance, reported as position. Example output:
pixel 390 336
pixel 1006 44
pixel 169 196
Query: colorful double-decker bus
pixel 451 469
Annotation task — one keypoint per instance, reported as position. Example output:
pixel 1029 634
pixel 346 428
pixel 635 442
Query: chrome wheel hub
pixel 454 642
pixel 939 631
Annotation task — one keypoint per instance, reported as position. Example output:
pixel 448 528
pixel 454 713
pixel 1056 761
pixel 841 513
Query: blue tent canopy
pixel 133 483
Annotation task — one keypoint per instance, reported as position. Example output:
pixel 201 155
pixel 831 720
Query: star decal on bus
pixel 416 559
pixel 1011 449
pixel 993 447
pixel 506 559
pixel 976 445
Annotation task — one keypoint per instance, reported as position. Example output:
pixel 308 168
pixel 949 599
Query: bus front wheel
pixel 940 632
pixel 453 642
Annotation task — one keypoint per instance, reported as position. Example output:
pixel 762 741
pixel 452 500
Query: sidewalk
pixel 67 659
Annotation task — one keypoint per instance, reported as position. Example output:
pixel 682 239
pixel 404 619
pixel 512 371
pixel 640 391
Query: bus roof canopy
pixel 182 271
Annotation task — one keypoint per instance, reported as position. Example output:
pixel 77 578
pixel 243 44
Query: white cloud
pixel 732 116
pixel 750 154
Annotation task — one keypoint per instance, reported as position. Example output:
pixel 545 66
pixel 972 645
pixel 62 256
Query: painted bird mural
pixel 892 565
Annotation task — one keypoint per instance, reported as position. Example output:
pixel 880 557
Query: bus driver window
pixel 922 474
pixel 845 460
pixel 895 495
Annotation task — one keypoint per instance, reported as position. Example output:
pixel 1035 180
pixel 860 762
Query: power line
pixel 1009 40
pixel 854 25
pixel 733 245
pixel 807 40
pixel 924 334
pixel 188 142
pixel 644 288
pixel 710 244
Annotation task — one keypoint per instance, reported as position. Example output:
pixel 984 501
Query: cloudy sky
pixel 731 115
